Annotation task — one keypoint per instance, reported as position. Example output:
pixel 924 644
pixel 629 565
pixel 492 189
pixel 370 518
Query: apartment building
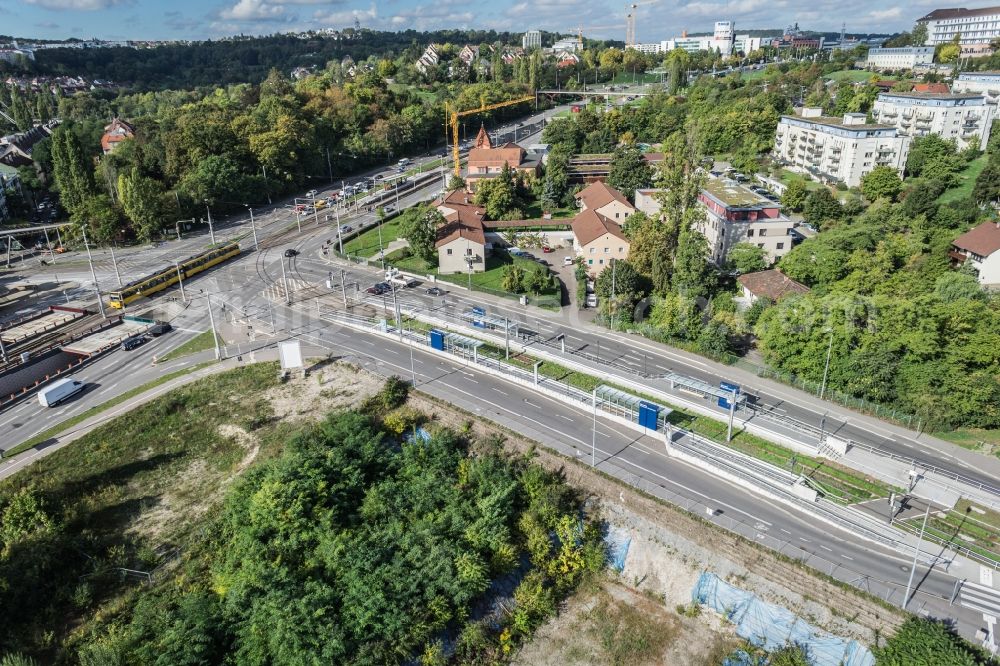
pixel 531 40
pixel 733 214
pixel 986 84
pixel 964 117
pixel 973 26
pixel 906 57
pixel 838 149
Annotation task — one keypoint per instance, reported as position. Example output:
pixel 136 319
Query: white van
pixel 58 391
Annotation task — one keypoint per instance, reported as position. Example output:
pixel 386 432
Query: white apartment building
pixel 964 117
pixel 838 149
pixel 906 57
pixel 531 40
pixel 986 84
pixel 571 44
pixel 974 26
pixel 733 214
pixel 723 40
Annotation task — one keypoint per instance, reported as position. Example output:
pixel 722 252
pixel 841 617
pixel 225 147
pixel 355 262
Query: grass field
pixel 967 180
pixel 424 95
pixel 967 525
pixel 853 75
pixel 983 441
pixel 201 342
pixel 367 244
pixel 492 277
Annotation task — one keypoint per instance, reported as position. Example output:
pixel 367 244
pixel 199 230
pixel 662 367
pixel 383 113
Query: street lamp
pixel 211 230
pixel 826 370
pixel 256 246
pixel 180 281
pixel 93 273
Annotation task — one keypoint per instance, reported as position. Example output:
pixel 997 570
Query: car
pixel 546 249
pixel 291 252
pixel 311 193
pixel 379 176
pixel 159 328
pixel 299 208
pixel 374 289
pixel 436 291
pixel 568 261
pixel 135 341
pixel 346 229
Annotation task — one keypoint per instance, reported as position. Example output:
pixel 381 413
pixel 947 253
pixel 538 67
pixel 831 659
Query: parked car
pixel 374 289
pixel 546 249
pixel 346 229
pixel 568 261
pixel 311 193
pixel 58 391
pixel 291 252
pixel 135 341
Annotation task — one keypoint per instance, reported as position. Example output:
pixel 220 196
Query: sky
pixel 657 19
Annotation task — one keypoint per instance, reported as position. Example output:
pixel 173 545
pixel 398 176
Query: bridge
pixel 596 93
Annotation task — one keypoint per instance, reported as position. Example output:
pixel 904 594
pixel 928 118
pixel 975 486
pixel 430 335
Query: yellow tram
pixel 166 277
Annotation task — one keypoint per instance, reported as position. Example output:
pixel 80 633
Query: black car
pixel 159 328
pixel 291 252
pixel 135 341
pixel 436 291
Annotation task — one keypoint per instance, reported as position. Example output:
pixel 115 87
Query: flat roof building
pixel 973 26
pixel 964 117
pixel 836 150
pixel 986 84
pixel 905 57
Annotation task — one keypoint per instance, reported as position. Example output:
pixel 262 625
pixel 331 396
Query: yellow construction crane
pixel 483 107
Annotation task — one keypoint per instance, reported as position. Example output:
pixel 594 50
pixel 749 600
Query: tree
pixel 419 227
pixel 747 258
pixel 821 207
pixel 987 186
pixel 19 109
pixel 512 279
pixel 795 195
pixel 498 196
pixel 549 199
pixel 925 642
pixel 142 201
pixel 619 287
pixel 629 170
pixel 882 181
pixel 70 168
pixel 692 275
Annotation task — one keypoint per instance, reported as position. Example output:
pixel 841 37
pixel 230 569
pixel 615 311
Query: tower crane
pixel 453 117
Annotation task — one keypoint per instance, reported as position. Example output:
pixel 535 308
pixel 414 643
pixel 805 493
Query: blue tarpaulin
pixel 618 542
pixel 772 627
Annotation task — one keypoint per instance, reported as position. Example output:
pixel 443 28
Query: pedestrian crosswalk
pixel 296 287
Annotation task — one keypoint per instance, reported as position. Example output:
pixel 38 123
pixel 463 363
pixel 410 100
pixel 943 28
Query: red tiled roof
pixel 771 284
pixel 930 88
pixel 984 240
pixel 511 154
pixel 465 222
pixel 590 225
pixel 597 194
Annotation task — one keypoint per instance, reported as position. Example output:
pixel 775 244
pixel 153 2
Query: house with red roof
pixel 980 248
pixel 486 161
pixel 115 133
pixel 605 200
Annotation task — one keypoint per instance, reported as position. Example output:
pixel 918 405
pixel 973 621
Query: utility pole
pixel 343 285
pixel 52 254
pixel 253 227
pixel 613 307
pixel 114 262
pixel 180 281
pixel 413 372
pixel 267 190
pixel 211 321
pixel 315 210
pixel 593 434
pixel 284 279
pixel 916 553
pixel 90 260
pixel 506 336
pixel 211 229
pixel 732 411
pixel 826 370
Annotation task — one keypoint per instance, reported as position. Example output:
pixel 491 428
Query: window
pixel 617 215
pixel 601 262
pixel 592 250
pixel 781 246
pixel 749 233
pixel 449 250
pixel 606 250
pixel 468 251
pixel 590 262
pixel 763 232
pixel 621 250
pixel 761 245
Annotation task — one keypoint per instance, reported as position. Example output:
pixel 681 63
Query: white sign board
pixel 290 354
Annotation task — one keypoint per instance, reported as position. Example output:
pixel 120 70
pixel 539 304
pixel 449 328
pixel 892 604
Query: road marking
pixel 846 557
pixel 784 530
pixel 826 548
pixel 565 417
pixel 804 539
pixel 499 391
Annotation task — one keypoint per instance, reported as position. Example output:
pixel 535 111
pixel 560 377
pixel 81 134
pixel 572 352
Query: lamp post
pixel 315 210
pixel 916 553
pixel 256 246
pixel 211 229
pixel 180 281
pixel 93 273
pixel 826 370
pixel 211 322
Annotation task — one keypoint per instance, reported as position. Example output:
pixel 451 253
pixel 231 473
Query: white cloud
pixel 346 16
pixel 252 10
pixel 80 5
pixel 883 14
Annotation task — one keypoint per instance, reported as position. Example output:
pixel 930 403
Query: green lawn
pixel 201 342
pixel 983 441
pixel 787 177
pixel 367 245
pixel 492 277
pixel 967 180
pixel 853 75
pixel 424 95
pixel 534 212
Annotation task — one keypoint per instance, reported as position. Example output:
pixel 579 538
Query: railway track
pixel 47 340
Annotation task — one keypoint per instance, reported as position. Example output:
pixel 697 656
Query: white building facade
pixel 531 40
pixel 964 117
pixel 906 57
pixel 838 149
pixel 974 26
pixel 986 84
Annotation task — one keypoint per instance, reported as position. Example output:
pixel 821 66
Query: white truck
pixel 396 278
pixel 58 391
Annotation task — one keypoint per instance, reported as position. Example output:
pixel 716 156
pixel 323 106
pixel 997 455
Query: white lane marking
pixel 846 557
pixel 499 391
pixel 826 548
pixel 565 417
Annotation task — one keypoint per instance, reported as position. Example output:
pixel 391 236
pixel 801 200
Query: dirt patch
pixel 618 626
pixel 326 388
